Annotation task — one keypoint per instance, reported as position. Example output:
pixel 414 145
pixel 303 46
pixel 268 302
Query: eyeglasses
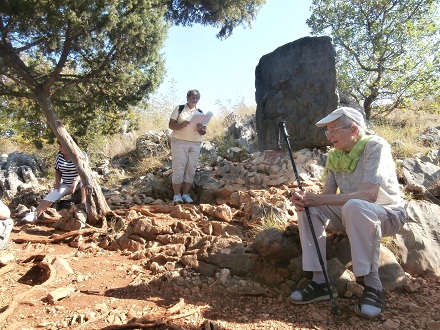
pixel 328 133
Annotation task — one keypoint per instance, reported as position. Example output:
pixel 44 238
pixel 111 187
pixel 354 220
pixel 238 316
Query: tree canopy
pixel 84 62
pixel 226 14
pixel 93 58
pixel 83 55
pixel 386 49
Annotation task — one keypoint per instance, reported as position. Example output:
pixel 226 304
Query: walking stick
pixel 283 130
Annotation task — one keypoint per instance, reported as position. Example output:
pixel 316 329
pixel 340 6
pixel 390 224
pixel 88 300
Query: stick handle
pixel 283 130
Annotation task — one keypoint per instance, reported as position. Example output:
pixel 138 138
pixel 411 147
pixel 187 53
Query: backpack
pixel 181 109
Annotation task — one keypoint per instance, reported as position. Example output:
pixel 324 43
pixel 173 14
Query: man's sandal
pixel 311 293
pixel 371 297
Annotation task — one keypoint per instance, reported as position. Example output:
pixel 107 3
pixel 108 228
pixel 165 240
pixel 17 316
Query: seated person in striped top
pixel 67 181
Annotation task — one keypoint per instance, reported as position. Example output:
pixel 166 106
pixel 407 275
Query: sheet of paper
pixel 201 118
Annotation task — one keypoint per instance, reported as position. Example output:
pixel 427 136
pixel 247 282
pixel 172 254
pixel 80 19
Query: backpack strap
pixel 179 111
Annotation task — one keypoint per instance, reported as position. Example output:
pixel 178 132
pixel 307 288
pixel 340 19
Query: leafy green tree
pixel 225 14
pixel 386 49
pixel 87 61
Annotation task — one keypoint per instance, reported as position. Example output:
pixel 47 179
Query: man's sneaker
pixel 177 199
pixel 30 217
pixel 187 199
pixel 312 292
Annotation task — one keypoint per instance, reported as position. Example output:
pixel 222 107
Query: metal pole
pixel 283 130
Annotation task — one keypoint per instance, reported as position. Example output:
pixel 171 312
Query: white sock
pixel 296 295
pixel 372 280
pixel 318 277
pixel 370 311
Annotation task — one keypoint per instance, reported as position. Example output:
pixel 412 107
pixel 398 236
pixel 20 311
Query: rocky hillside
pixel 228 262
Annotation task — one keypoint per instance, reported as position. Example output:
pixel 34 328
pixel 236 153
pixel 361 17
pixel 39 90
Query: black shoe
pixel 311 293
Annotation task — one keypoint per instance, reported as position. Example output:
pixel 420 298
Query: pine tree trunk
pixel 97 207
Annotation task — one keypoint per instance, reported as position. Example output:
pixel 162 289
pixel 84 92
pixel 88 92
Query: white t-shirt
pixel 188 133
pixel 376 166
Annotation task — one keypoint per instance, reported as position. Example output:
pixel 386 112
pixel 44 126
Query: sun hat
pixel 354 114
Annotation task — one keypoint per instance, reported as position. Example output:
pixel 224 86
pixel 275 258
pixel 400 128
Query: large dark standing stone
pixel 295 83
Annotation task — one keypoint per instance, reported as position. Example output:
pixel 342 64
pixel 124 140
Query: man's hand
pixel 297 199
pixel 302 199
pixel 174 125
pixel 185 123
pixel 201 129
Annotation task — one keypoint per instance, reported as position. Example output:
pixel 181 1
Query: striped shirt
pixel 67 168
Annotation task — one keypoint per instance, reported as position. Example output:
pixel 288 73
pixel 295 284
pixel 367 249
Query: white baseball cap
pixel 354 114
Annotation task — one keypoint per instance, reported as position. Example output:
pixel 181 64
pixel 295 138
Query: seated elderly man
pixel 361 196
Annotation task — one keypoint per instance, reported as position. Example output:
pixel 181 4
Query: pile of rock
pixel 238 225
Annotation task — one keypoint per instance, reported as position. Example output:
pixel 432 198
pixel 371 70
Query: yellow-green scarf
pixel 343 161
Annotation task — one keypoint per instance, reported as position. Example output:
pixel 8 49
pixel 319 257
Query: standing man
pixel 186 141
pixel 361 196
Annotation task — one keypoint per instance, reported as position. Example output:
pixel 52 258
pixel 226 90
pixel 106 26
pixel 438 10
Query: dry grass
pixel 8 146
pixel 120 144
pixel 269 220
pixel 222 120
pixel 390 244
pixel 402 128
pixel 150 164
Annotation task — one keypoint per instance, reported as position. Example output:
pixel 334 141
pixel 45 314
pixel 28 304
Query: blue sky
pixel 224 70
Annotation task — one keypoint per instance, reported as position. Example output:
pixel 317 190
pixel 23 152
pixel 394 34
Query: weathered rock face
pixel 19 172
pixel 152 143
pixel 420 173
pixel 417 242
pixel 295 83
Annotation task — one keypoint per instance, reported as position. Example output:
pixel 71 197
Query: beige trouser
pixel 185 156
pixel 365 224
